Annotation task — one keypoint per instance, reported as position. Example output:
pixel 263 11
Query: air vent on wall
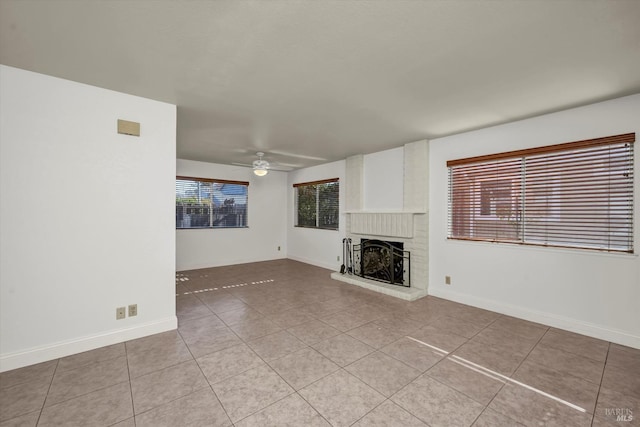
pixel 126 127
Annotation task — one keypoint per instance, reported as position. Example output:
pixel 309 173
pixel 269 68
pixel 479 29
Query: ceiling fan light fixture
pixel 260 167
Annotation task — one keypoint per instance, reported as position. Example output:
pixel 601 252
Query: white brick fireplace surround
pixel 409 226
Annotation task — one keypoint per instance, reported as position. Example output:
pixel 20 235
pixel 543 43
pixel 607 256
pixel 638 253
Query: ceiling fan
pixel 261 167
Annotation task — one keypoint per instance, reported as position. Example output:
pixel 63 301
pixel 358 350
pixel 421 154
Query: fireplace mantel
pixel 387 224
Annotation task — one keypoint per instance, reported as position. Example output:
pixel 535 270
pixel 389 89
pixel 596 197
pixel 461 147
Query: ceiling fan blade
pixel 273 166
pixel 299 156
pixel 280 168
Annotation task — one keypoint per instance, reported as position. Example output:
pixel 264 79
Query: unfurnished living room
pixel 323 213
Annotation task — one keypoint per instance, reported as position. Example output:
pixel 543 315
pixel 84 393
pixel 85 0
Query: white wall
pixel 86 217
pixel 315 246
pixel 583 291
pixel 267 219
pixel 383 180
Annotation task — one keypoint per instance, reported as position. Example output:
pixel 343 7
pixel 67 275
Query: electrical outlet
pixel 447 280
pixel 338 258
pixel 133 310
pixel 121 313
pixel 278 247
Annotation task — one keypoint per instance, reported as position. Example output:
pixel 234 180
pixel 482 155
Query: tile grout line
pixel 469 339
pixel 133 406
pixel 86 393
pixel 415 379
pixel 309 346
pixel 387 399
pixel 604 368
pixel 514 371
pixel 445 356
pixel 205 378
pixel 44 402
pixel 560 331
pixel 280 376
pixel 245 343
pixel 312 407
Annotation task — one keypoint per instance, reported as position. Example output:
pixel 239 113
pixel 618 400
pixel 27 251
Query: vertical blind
pixel 210 203
pixel 317 204
pixel 577 195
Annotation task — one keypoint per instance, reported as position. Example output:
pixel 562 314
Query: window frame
pixel 546 199
pixel 317 226
pixel 215 181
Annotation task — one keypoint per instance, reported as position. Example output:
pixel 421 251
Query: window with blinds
pixel 575 195
pixel 210 203
pixel 316 204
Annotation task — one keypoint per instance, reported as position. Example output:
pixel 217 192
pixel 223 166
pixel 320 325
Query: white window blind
pixel 210 203
pixel 578 195
pixel 317 204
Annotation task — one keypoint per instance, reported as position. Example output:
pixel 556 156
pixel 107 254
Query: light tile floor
pixel 281 344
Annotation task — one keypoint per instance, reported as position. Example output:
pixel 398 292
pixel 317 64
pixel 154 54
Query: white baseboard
pixel 549 319
pixel 332 267
pixel 67 348
pixel 226 263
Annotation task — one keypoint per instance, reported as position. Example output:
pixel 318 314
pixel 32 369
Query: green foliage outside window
pixel 317 205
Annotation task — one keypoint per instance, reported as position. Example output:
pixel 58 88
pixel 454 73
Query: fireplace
pixel 400 219
pixel 384 261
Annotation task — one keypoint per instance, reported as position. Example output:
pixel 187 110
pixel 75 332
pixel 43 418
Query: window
pixel 495 197
pixel 210 203
pixel 317 204
pixel 578 195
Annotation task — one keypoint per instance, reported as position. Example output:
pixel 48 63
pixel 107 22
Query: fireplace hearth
pixel 384 261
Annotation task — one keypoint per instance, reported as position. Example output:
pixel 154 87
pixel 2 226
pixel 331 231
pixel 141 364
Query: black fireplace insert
pixel 383 261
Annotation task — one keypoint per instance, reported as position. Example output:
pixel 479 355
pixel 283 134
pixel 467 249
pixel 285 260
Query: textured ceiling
pixel 310 82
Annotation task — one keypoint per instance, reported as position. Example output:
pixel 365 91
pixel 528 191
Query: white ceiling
pixel 315 81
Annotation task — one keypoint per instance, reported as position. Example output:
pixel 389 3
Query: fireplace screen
pixel 383 261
